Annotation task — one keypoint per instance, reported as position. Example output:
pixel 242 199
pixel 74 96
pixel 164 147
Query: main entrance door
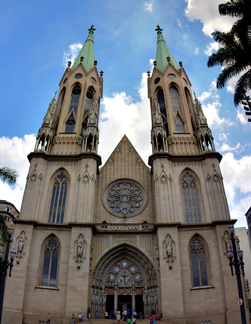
pixel 126 277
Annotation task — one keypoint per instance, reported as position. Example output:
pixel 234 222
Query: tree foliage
pixel 8 175
pixel 235 51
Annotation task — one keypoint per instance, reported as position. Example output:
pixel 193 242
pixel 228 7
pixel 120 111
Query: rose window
pixel 116 269
pixel 124 198
pixel 124 263
pixel 133 269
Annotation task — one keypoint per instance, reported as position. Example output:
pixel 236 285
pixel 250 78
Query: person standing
pixel 88 314
pixel 73 319
pixel 80 317
pixel 118 317
pixel 141 316
pixel 48 319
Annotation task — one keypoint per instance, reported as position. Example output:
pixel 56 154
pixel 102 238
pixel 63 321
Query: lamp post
pixel 5 265
pixel 237 262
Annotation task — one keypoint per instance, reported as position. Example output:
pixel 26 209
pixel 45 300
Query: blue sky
pixel 37 38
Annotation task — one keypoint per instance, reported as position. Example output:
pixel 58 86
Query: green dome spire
pixel 87 52
pixel 163 53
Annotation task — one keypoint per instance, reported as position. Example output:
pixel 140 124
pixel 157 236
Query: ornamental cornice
pixel 105 227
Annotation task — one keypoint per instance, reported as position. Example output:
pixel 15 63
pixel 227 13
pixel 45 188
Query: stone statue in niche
pixel 169 250
pixel 124 280
pixel 156 114
pixel 227 245
pixel 20 246
pixel 80 250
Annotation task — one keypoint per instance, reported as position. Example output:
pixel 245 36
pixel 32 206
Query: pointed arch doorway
pixel 124 278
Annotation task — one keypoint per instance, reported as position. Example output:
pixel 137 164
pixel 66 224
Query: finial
pixel 101 73
pixel 148 74
pixel 95 63
pixel 154 63
pixel 69 64
pixel 158 29
pixel 194 95
pixel 55 95
pixel 91 29
pixel 180 63
pixel 81 59
pixel 168 59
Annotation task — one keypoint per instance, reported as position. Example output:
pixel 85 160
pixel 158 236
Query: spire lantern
pixel 163 53
pixel 87 52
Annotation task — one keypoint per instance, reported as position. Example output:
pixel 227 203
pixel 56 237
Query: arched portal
pixel 124 277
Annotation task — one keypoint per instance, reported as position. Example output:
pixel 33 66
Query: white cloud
pixel 236 174
pixel 185 36
pixel 179 23
pixel 71 54
pixel 196 51
pixel 122 116
pixel 225 147
pixel 212 107
pixel 149 6
pixel 13 153
pixel 212 47
pixel 207 12
pixel 241 116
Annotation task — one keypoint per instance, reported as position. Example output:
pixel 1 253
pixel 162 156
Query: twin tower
pixel 71 124
pixel 124 235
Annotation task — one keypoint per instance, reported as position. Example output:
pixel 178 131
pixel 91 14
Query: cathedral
pixel 124 235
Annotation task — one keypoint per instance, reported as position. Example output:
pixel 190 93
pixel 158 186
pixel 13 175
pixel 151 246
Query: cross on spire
pixel 92 28
pixel 158 29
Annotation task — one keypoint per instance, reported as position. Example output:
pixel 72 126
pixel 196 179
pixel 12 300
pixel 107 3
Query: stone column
pixel 115 299
pixel 133 299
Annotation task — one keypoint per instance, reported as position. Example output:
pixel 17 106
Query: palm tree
pixel 8 175
pixel 235 53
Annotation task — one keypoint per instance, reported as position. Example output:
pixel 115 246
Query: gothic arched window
pixel 191 200
pixel 174 94
pixel 62 95
pixel 75 95
pixel 162 106
pixel 198 262
pixel 50 263
pixel 58 199
pixel 189 101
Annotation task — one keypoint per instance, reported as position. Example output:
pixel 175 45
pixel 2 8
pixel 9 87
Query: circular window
pixel 171 76
pixel 124 198
pixel 157 80
pixel 65 80
pixel 78 76
pixel 89 94
pixel 93 80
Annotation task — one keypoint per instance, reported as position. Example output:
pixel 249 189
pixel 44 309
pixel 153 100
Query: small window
pixel 11 223
pixel 171 76
pixel 70 124
pixel 93 80
pixel 8 209
pixel 65 80
pixel 78 76
pixel 89 94
pixel 6 218
pixel 50 263
pixel 157 80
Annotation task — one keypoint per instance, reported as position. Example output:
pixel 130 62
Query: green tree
pixel 235 51
pixel 8 175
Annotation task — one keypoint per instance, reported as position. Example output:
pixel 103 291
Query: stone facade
pixel 126 234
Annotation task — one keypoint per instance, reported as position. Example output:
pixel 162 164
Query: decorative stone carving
pixel 226 241
pixel 80 250
pixel 124 227
pixel 124 280
pixel 169 249
pixel 20 246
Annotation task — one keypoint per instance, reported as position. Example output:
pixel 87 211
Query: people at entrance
pixel 73 319
pixel 88 313
pixel 48 319
pixel 128 313
pixel 118 317
pixel 113 318
pixel 106 314
pixel 133 320
pixel 141 316
pixel 135 314
pixel 151 319
pixel 97 315
pixel 80 317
